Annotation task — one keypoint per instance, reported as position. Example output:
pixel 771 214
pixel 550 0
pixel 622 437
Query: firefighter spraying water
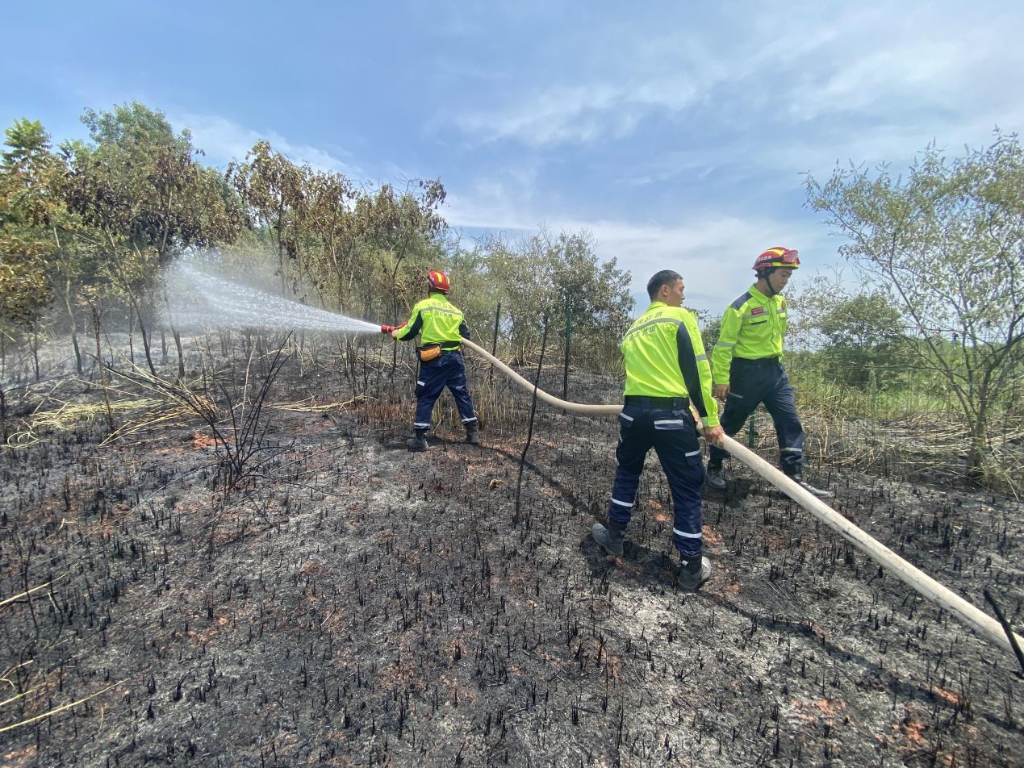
pixel 441 327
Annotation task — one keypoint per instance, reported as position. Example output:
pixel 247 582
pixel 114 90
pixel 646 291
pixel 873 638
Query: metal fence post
pixel 494 343
pixel 568 342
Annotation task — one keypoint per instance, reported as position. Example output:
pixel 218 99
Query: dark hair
pixel 665 277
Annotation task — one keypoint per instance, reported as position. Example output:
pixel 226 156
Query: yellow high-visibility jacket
pixel 753 327
pixel 665 357
pixel 439 321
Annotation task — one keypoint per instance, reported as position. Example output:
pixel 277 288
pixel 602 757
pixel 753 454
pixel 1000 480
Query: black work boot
pixel 693 573
pixel 798 478
pixel 419 442
pixel 714 477
pixel 473 433
pixel 610 538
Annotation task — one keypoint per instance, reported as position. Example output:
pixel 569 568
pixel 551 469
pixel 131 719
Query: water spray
pixel 197 299
pixel 201 300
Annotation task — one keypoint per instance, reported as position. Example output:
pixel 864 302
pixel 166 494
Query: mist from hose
pixel 197 299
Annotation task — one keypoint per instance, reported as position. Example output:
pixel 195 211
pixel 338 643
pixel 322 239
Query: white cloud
pixel 766 66
pixel 713 251
pixel 224 140
pixel 579 113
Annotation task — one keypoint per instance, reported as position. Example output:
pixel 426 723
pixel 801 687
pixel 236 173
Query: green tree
pixel 272 190
pixel 862 341
pixel 137 185
pixel 856 331
pixel 945 245
pixel 560 278
pixel 327 219
pixel 592 295
pixel 27 205
pixel 710 331
pixel 402 234
pixel 520 276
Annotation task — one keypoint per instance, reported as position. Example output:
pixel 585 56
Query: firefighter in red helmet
pixel 747 366
pixel 441 326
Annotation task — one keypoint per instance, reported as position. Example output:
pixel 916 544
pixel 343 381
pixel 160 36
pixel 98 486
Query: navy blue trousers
pixel 448 370
pixel 673 436
pixel 754 382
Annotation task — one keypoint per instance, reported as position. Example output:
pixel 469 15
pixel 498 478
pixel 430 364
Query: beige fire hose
pixel 885 557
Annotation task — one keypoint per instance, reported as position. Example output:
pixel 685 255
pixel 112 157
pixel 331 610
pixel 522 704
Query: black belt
pixel 658 402
pixel 760 361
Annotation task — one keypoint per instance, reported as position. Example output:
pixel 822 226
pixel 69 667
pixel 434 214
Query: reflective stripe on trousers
pixel 673 436
pixel 751 385
pixel 448 370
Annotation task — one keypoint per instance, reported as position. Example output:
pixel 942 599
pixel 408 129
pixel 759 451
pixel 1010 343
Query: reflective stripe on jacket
pixel 665 357
pixel 753 327
pixel 437 319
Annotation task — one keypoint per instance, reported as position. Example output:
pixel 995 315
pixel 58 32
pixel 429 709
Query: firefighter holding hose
pixel 441 326
pixel 667 371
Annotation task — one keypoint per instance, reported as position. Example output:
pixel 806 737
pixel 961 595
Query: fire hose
pixel 910 575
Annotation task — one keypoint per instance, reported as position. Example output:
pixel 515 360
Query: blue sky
pixel 675 132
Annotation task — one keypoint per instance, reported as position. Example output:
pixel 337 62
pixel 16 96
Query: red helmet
pixel 439 281
pixel 777 257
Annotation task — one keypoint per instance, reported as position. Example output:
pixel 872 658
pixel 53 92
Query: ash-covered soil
pixel 360 605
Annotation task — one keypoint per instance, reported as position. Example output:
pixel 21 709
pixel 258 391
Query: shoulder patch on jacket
pixel 741 301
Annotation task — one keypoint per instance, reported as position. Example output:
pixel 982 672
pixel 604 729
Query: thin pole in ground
pixel 533 412
pixel 1006 628
pixel 568 342
pixel 494 343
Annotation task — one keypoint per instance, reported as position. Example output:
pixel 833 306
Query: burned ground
pixel 356 604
